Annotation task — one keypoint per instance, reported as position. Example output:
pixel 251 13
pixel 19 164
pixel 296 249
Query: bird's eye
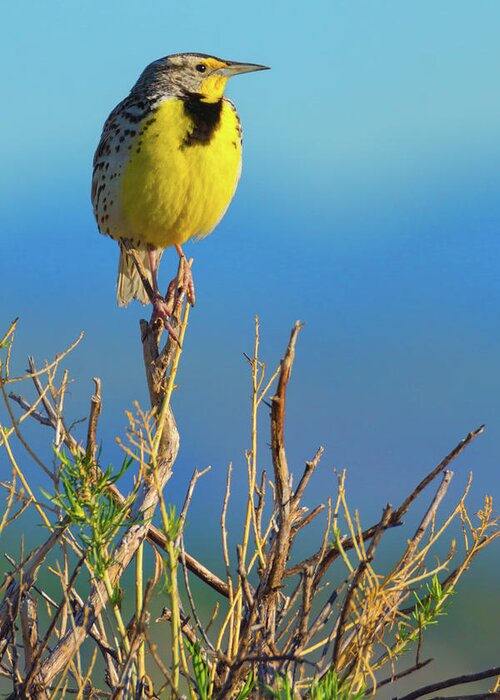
pixel 201 67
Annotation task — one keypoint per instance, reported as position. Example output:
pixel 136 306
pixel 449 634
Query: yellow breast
pixel 173 188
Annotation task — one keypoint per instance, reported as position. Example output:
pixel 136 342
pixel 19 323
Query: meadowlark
pixel 167 165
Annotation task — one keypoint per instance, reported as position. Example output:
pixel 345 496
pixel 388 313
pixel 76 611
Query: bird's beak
pixel 233 68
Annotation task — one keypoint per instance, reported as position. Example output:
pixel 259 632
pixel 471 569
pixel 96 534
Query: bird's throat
pixel 205 117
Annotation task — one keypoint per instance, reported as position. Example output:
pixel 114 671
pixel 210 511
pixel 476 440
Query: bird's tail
pixel 129 283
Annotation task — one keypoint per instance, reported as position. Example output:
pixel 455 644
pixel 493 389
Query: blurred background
pixel 368 208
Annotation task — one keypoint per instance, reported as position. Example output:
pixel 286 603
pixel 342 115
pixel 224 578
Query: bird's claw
pixel 161 312
pixel 185 286
pixel 189 284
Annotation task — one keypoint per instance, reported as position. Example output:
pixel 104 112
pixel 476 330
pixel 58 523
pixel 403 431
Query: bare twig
pixel 95 410
pixel 29 627
pixel 308 519
pixel 187 501
pixel 225 549
pixel 475 696
pixel 428 517
pixel 457 680
pixel 308 472
pixel 402 674
pixel 26 406
pixel 286 509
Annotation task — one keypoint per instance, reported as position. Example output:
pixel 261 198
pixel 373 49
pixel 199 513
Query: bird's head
pixel 193 73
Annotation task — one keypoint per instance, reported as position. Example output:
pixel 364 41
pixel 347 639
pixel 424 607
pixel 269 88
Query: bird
pixel 167 166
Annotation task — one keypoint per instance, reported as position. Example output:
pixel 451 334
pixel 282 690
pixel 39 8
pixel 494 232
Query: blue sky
pixel 368 207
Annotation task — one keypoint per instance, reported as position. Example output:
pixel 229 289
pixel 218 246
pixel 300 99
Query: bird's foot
pixel 162 313
pixel 183 286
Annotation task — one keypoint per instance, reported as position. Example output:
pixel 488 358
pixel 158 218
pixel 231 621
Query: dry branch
pixel 457 680
pixel 277 622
